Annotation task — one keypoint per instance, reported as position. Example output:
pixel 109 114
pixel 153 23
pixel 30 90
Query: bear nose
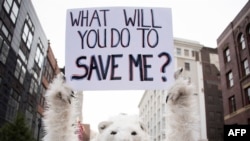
pixel 133 133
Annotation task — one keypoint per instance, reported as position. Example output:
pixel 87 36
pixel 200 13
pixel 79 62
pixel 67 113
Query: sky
pixel 197 20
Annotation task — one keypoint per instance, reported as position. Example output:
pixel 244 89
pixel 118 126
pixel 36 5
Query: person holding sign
pixel 119 48
pixel 183 119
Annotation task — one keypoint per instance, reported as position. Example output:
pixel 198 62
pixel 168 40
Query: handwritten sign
pixel 119 48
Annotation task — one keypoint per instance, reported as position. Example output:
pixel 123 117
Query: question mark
pixel 168 60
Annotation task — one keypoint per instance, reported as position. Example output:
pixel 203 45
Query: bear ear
pixel 178 73
pixel 103 125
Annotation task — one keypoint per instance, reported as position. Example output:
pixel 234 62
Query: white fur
pixel 122 128
pixel 59 115
pixel 182 111
pixel 182 116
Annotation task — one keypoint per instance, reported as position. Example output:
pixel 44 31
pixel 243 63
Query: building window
pixel 248 35
pixel 187 66
pixel 12 9
pixel 227 55
pixel 230 81
pixel 13 105
pixel 48 72
pixel 178 51
pixel 193 53
pixel 163 109
pixel 42 93
pixel 232 104
pixel 163 123
pixel 33 86
pixel 23 56
pixel 154 130
pixel 28 32
pixel 5 31
pixel 245 66
pixel 247 94
pixel 242 43
pixel 39 54
pixel 159 127
pixel 20 71
pixel 186 52
pixel 4 50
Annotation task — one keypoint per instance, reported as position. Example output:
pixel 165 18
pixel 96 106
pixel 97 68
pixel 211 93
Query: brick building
pixel 234 57
pixel 27 63
pixel 50 69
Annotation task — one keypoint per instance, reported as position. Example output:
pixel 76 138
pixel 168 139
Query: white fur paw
pixel 59 91
pixel 180 89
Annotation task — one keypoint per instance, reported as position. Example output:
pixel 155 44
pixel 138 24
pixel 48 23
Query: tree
pixel 17 131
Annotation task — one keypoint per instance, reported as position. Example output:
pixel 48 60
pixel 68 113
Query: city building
pixel 50 69
pixel 152 106
pixel 27 64
pixel 201 67
pixel 213 95
pixel 234 57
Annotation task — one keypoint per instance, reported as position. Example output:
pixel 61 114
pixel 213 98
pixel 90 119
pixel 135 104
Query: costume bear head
pixel 122 128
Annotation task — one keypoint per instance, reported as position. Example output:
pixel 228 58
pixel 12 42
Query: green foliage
pixel 17 131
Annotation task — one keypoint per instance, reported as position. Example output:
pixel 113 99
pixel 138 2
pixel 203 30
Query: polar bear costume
pixel 59 117
pixel 182 122
pixel 122 128
pixel 182 111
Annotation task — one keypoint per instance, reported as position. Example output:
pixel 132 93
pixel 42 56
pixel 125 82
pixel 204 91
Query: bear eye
pixel 133 133
pixel 113 132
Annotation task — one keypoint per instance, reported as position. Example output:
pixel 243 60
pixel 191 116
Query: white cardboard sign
pixel 119 48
